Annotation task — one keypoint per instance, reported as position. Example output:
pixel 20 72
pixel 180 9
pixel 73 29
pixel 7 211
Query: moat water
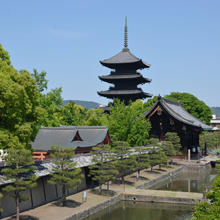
pixel 189 181
pixel 128 210
pixel 186 181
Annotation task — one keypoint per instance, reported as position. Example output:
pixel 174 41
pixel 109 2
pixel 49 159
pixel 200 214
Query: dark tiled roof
pixel 63 137
pixel 124 57
pixel 124 92
pixel 129 76
pixel 177 111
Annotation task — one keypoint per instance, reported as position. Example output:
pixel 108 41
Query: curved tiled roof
pixel 125 92
pixel 179 113
pixel 124 57
pixel 63 137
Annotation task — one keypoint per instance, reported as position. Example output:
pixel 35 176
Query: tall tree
pixel 19 170
pixel 103 169
pixel 72 114
pixel 126 123
pixel 52 103
pixel 20 110
pixel 125 160
pixel 193 105
pixel 96 117
pixel 40 79
pixel 64 172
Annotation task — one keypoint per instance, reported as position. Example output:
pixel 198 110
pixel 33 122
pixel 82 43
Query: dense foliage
pixel 209 140
pixel 20 111
pixel 209 209
pixel 193 105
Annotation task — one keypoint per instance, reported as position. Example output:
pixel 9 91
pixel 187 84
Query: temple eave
pixel 124 93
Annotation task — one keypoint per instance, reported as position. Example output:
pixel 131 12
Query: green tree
pixel 210 140
pixel 150 103
pixel 72 114
pixel 157 155
pixel 125 160
pixel 168 148
pixel 126 123
pixel 20 110
pixel 96 117
pixel 175 140
pixel 4 56
pixel 40 79
pixel 19 170
pixel 52 103
pixel 64 172
pixel 193 105
pixel 142 159
pixel 206 210
pixel 103 169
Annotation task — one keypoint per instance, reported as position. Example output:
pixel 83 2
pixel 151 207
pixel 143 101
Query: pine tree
pixel 125 160
pixel 20 170
pixel 142 159
pixel 175 140
pixel 64 172
pixel 103 169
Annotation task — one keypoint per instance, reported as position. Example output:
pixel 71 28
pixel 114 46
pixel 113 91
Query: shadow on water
pixel 128 210
pixel 188 181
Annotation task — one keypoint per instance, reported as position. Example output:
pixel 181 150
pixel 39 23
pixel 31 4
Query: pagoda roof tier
pixel 124 59
pixel 112 78
pixel 121 93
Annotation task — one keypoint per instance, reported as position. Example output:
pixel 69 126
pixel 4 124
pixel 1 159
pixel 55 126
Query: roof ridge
pixel 171 101
pixel 73 127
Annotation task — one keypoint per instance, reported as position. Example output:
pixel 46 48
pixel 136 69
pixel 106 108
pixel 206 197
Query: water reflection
pixel 126 210
pixel 189 181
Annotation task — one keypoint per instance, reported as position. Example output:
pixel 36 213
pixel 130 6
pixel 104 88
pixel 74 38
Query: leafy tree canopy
pixel 40 79
pixel 193 105
pixel 20 111
pixel 126 123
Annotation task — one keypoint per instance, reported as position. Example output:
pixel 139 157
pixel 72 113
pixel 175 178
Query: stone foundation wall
pixel 159 199
pixel 159 179
pixel 94 209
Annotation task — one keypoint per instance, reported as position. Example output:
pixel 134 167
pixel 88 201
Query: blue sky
pixel 179 38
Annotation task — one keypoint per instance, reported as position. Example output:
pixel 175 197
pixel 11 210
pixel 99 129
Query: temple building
pixel 169 116
pixel 81 138
pixel 124 76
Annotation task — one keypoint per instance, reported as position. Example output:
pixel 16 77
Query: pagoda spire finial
pixel 126 34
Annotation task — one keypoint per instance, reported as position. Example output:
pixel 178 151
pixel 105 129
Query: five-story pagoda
pixel 125 76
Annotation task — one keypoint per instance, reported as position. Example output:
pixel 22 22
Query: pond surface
pixel 128 210
pixel 189 181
